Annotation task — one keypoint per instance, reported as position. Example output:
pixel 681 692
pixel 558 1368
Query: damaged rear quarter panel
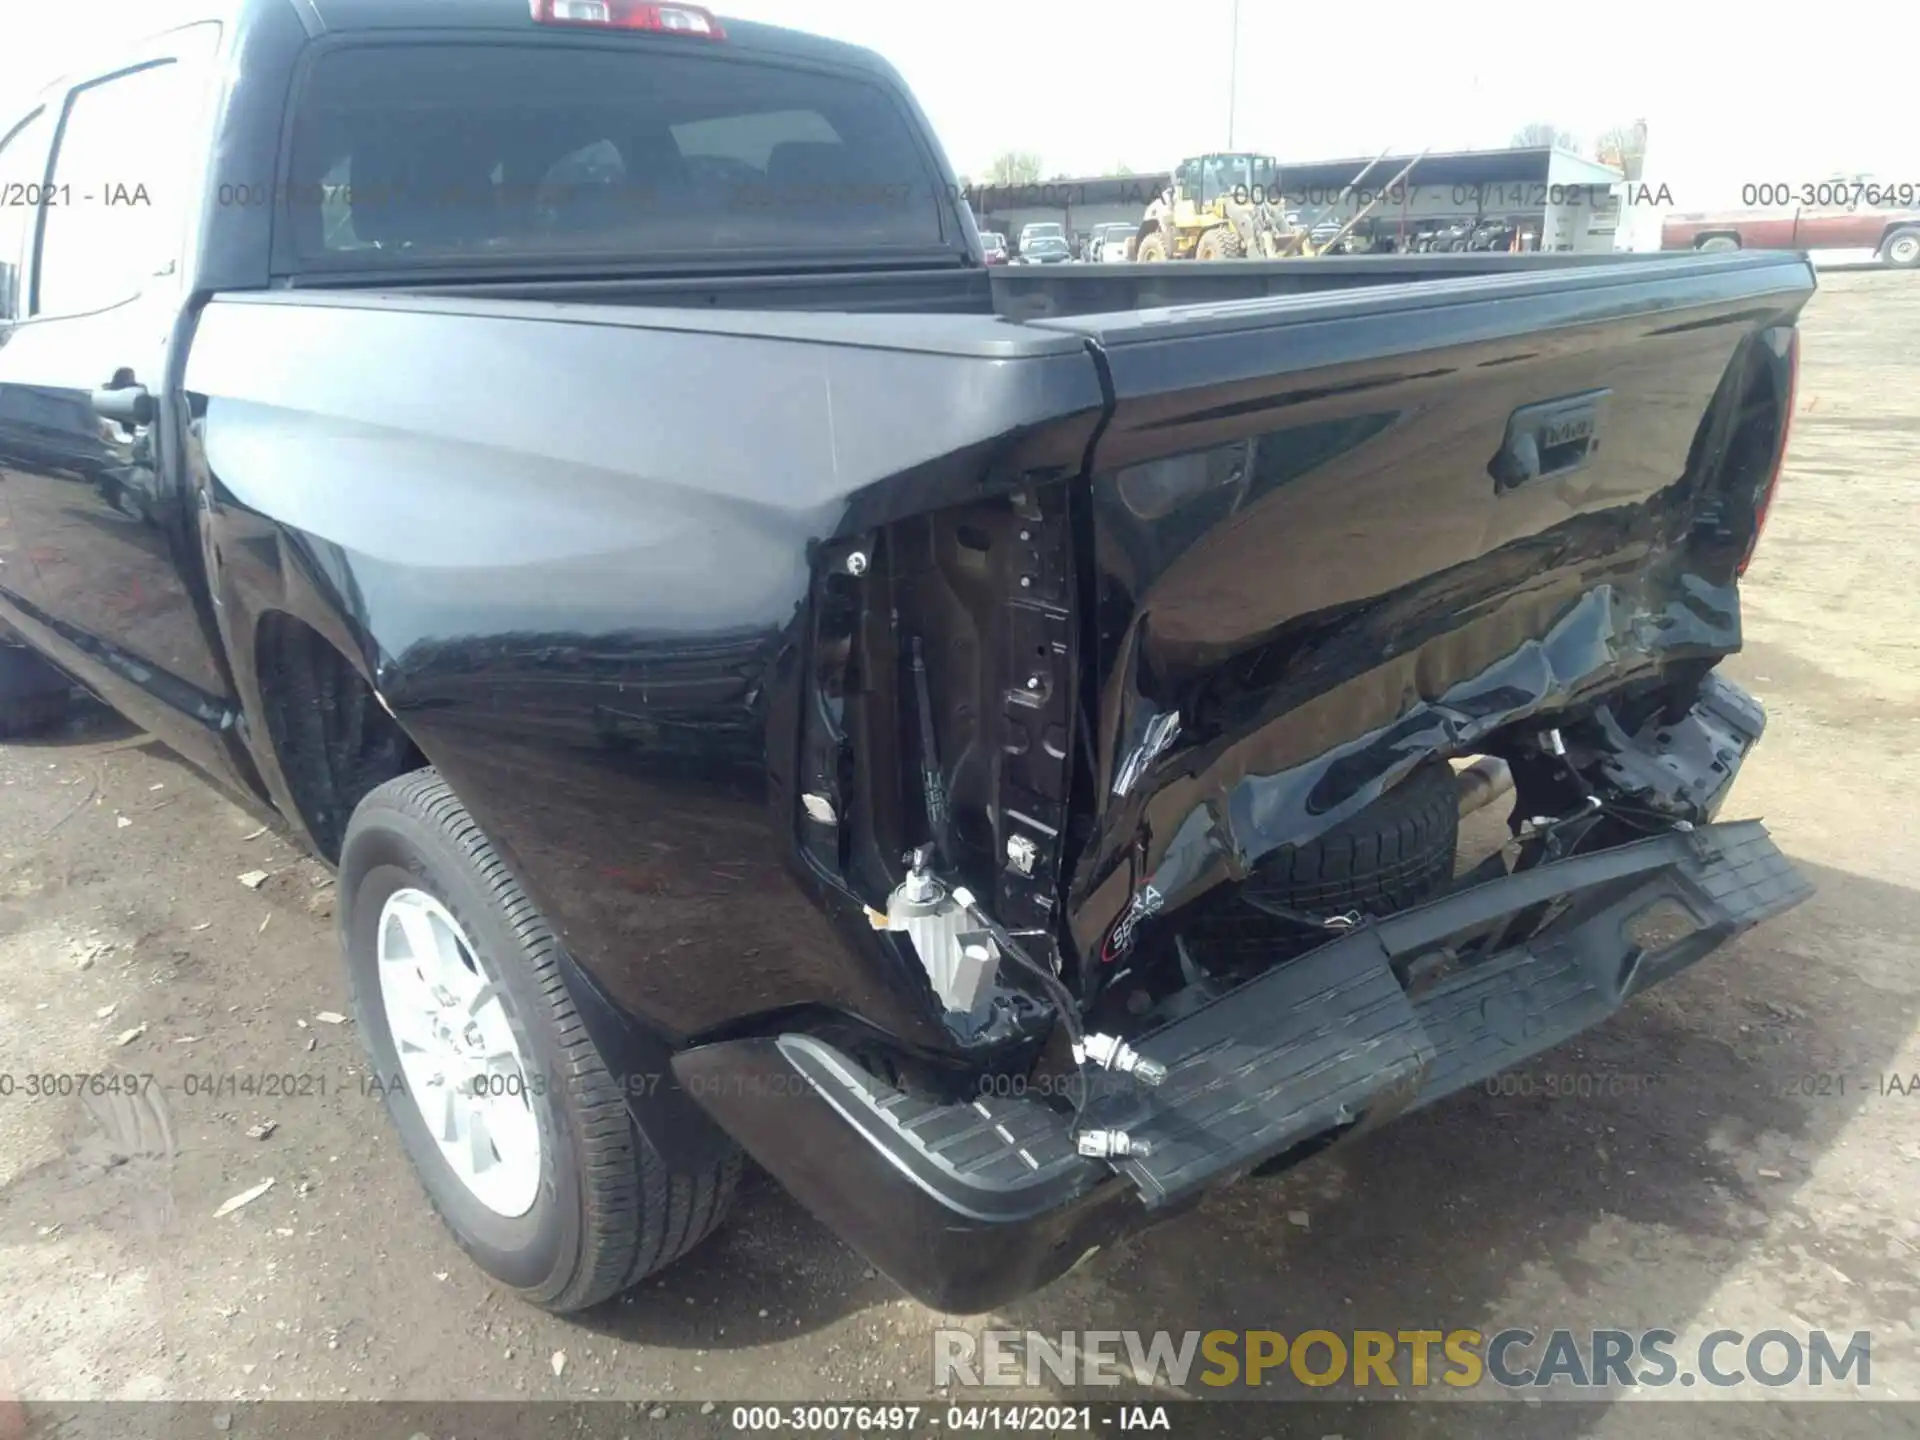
pixel 573 545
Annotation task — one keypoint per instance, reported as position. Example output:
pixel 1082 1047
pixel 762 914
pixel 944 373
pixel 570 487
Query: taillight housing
pixel 688 20
pixel 1765 501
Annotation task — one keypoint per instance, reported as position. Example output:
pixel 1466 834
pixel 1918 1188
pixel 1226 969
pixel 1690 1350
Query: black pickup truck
pixel 981 742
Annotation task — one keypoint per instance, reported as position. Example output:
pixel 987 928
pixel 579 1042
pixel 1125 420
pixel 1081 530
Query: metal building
pixel 1565 201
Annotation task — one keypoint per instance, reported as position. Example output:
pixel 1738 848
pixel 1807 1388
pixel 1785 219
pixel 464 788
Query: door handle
pixel 1553 438
pixel 130 405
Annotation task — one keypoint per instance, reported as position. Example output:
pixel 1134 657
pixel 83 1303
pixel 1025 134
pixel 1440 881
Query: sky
pixel 1730 95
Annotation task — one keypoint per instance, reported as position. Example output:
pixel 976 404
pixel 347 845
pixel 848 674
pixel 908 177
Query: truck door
pixel 96 493
pixel 1842 224
pixel 26 141
pixel 1770 229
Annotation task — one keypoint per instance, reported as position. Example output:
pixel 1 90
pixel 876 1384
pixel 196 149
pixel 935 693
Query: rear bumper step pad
pixel 1531 999
pixel 969 1205
pixel 1333 1040
pixel 1317 1045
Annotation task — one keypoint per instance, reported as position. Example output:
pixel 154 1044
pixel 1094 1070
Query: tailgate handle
pixel 1553 438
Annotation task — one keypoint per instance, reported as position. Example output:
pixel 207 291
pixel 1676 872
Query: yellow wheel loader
pixel 1218 207
pixel 1228 206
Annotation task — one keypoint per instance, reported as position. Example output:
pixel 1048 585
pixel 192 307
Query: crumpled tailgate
pixel 1334 535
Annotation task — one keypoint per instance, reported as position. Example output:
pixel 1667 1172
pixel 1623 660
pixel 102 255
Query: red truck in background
pixel 1892 236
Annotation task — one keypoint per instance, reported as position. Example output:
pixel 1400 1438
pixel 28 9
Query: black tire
pixel 1395 853
pixel 1222 242
pixel 34 697
pixel 1901 248
pixel 1717 244
pixel 1153 247
pixel 610 1208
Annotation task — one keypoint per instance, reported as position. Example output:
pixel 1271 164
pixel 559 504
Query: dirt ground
pixel 1752 1171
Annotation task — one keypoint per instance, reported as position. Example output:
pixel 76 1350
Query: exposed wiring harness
pixel 1056 989
pixel 1090 1052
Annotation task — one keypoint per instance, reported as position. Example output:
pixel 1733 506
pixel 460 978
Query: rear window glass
pixel 451 151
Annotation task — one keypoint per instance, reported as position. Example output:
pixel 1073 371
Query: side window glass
pixel 23 168
pixel 120 173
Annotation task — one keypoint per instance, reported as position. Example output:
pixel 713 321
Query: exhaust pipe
pixel 1484 781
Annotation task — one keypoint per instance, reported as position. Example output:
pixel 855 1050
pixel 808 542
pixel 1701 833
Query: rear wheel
pixel 1153 246
pixel 1716 244
pixel 1901 248
pixel 519 1134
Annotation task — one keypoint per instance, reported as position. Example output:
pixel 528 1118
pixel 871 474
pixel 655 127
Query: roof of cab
pixel 347 15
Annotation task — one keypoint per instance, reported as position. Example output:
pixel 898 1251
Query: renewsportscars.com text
pixel 1510 1359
